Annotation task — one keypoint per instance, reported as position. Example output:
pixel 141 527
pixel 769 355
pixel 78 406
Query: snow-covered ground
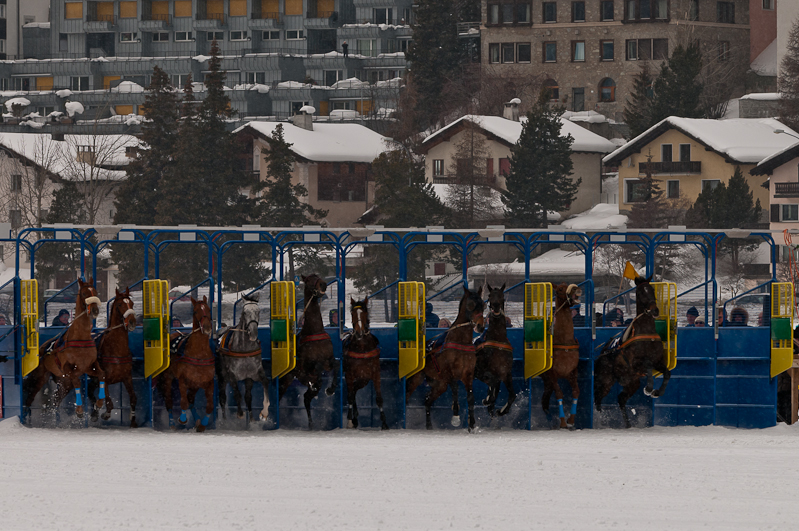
pixel 657 478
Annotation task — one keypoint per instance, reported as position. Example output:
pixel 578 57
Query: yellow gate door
pixel 666 321
pixel 537 328
pixel 411 328
pixel 282 328
pixel 781 327
pixel 29 290
pixel 156 326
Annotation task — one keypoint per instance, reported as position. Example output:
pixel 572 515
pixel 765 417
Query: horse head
pixel 88 302
pixel 201 317
pixel 124 306
pixel 645 299
pixel 251 316
pixel 567 295
pixel 496 300
pixel 472 306
pixel 360 317
pixel 315 286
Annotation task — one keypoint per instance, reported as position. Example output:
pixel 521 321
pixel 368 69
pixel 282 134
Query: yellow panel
pixel 183 8
pixel 323 108
pixel 538 307
pixel 412 307
pixel 29 290
pixel 124 110
pixel 156 306
pixel 107 80
pixel 215 7
pixel 128 9
pixel 666 295
pixel 238 8
pixel 294 7
pixel 160 8
pixel 105 9
pixel 44 83
pixel 73 10
pixel 140 110
pixel 325 6
pixel 270 6
pixel 782 308
pixel 283 307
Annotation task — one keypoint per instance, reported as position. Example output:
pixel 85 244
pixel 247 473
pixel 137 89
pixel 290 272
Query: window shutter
pixel 775 213
pixel 489 167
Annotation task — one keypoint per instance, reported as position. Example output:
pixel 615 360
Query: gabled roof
pixel 336 142
pixel 775 160
pixel 508 132
pixel 739 141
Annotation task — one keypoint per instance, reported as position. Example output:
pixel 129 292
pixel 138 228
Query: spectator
pixel 508 322
pixel 761 320
pixel 332 318
pixel 62 319
pixel 577 319
pixel 700 322
pixel 722 316
pixel 345 49
pixel 176 322
pixel 444 323
pixel 3 320
pixel 615 317
pixel 430 318
pixel 691 315
pixel 739 317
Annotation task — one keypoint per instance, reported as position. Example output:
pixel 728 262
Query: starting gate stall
pixel 156 326
pixel 537 328
pixel 781 325
pixel 11 336
pixel 283 327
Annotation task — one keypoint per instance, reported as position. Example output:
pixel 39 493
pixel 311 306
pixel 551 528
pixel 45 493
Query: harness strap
pixel 228 352
pixel 197 362
pixel 456 346
pixel 116 360
pixel 495 344
pixel 75 343
pixel 315 337
pixel 565 347
pixel 642 337
pixel 374 353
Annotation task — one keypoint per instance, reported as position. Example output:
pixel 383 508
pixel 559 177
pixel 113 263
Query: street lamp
pixel 784 132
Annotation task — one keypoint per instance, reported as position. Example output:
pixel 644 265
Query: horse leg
pixel 128 383
pixel 412 383
pixel 248 396
pixel 379 396
pixel 209 406
pixel 98 371
pixel 467 383
pixel 74 380
pixel 184 402
pixel 236 394
pixel 548 389
pixel 265 383
pixel 31 387
pixel 661 368
pixel 575 395
pixel 511 394
pixel 222 384
pixel 352 409
pixel 456 409
pixel 92 385
pixel 310 394
pixel 626 392
pixel 559 396
pixel 437 388
pixel 330 391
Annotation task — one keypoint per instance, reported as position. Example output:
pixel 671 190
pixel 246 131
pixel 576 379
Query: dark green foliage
pixel 727 206
pixel 638 109
pixel 540 170
pixel 788 81
pixel 677 89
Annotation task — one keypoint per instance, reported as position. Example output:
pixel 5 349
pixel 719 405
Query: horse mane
pixel 252 297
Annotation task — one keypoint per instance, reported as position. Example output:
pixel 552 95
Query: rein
pixel 500 345
pixel 374 353
pixel 315 337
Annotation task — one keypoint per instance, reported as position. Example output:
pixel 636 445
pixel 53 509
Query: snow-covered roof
pixel 591 117
pixel 765 64
pixel 554 262
pixel 601 217
pixel 128 87
pixel 740 140
pixel 763 96
pixel 328 142
pixel 775 160
pixel 510 130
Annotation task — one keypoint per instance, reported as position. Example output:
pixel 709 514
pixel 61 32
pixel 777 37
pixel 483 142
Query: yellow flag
pixel 629 271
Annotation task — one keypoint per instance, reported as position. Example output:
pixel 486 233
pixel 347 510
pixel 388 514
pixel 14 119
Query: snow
pixel 509 131
pixel 743 140
pixel 390 83
pixel 344 114
pixel 733 109
pixel 43 25
pixel 352 82
pixel 328 142
pixel 201 58
pixel 259 87
pixel 661 478
pixel 515 101
pixel 74 107
pixel 63 93
pixel 128 87
pixel 763 96
pixel 601 217
pixel 765 64
pixel 293 85
pixel 17 101
pixel 777 154
pixel 591 117
pixel 554 262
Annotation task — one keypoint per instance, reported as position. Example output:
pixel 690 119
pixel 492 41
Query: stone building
pixel 589 52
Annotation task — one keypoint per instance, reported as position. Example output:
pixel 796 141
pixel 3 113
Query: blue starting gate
pixel 724 375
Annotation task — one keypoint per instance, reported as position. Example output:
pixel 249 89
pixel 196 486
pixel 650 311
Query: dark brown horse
pixel 495 355
pixel 314 348
pixel 565 353
pixel 452 362
pixel 362 361
pixel 74 354
pixel 115 356
pixel 192 365
pixel 639 354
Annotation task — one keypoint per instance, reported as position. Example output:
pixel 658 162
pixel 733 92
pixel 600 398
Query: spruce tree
pixel 470 198
pixel 677 89
pixel 638 108
pixel 540 169
pixel 788 81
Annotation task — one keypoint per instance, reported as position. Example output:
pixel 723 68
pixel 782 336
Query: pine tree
pixel 540 169
pixel 788 81
pixel 470 198
pixel 677 90
pixel 638 109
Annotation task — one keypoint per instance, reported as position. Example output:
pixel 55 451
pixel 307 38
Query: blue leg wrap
pixel 560 408
pixel 171 419
pixel 183 418
pixel 574 406
pixel 205 420
pixel 78 399
pixel 102 390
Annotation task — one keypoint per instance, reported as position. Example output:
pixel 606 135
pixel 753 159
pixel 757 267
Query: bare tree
pixel 28 178
pixel 469 194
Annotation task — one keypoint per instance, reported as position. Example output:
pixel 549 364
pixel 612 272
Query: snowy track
pixel 658 478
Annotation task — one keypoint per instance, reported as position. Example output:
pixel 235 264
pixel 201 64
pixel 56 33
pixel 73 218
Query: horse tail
pixel 603 377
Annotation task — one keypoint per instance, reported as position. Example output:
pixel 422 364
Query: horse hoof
pixel 263 417
pixel 384 427
pixel 199 427
pixel 240 415
pixel 349 424
pixel 79 411
pixel 648 392
pixel 486 401
pixel 94 416
pixel 106 416
pixel 330 392
pixel 133 424
pixel 455 421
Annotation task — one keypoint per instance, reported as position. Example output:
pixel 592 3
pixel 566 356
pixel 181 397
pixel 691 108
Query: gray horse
pixel 240 359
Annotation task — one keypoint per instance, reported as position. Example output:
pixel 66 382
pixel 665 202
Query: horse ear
pixel 117 291
pixel 366 299
pixel 127 291
pixel 193 300
pixel 205 299
pixel 488 287
pixel 303 277
pixel 649 278
pixel 352 301
pixel 638 280
pixel 503 288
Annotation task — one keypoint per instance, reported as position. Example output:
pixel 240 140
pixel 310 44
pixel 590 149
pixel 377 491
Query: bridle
pixel 501 308
pixel 246 324
pixel 87 301
pixel 205 315
pixel 315 294
pixel 365 331
pixel 124 314
pixel 478 310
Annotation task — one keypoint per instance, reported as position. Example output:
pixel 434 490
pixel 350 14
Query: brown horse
pixel 565 353
pixel 192 365
pixel 495 355
pixel 73 355
pixel 362 361
pixel 453 361
pixel 115 356
pixel 639 353
pixel 314 348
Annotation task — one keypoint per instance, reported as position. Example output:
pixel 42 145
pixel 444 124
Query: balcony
pixel 321 19
pixel 677 166
pixel 264 21
pixel 209 21
pixel 100 23
pixel 782 190
pixel 155 22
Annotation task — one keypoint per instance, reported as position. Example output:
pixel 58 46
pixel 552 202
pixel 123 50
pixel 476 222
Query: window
pixel 2 11
pixel 606 10
pixel 508 52
pixel 578 99
pixel 646 49
pixel 15 217
pixel 647 9
pixel 332 76
pixel 710 184
pixel 507 13
pixel 295 35
pixel 693 10
pixel 523 13
pixel 63 42
pixel 16 182
pixel 73 10
pixel 665 153
pixel 161 37
pixel 256 77
pixel 367 47
pixel 79 83
pixel 578 11
pixel 660 49
pixel 4 84
pixel 383 15
pixel 493 14
pixel 673 190
pixel 607 90
pixel 524 52
pixel 725 12
pixel 183 36
pixel 438 167
pixel 127 37
pixel 606 48
pixel 550 12
pixel 179 80
pixel 685 152
pixel 238 35
pixel 768 4
pixel 632 10
pixel 551 86
pixel 550 52
pixel 632 50
pixel 270 36
pixel 578 51
pixel 789 213
pixel 493 52
pixel 724 50
pixel 636 191
pixel 661 9
pixel 215 36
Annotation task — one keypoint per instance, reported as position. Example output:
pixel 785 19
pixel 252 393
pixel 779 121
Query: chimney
pixel 304 118
pixel 511 110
